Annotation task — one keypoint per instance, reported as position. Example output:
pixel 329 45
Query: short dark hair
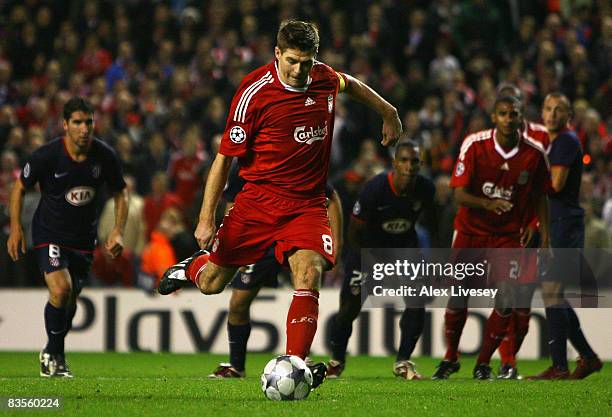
pixel 77 104
pixel 508 89
pixel 296 34
pixel 509 100
pixel 407 143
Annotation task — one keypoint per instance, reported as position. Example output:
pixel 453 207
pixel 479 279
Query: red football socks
pixel 506 347
pixel 521 326
pixel 302 322
pixel 454 320
pixel 495 330
pixel 196 267
pixel 517 330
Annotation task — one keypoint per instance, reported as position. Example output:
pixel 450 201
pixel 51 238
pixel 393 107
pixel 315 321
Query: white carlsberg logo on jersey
pixel 493 191
pixel 309 135
pixel 309 102
pixel 79 196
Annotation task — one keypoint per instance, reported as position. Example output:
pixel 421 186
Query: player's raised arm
pixel 114 243
pixel 217 178
pixel 16 240
pixel 392 126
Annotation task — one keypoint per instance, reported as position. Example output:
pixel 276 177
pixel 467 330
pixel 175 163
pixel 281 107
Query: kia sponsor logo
pixel 396 226
pixel 309 135
pixel 80 196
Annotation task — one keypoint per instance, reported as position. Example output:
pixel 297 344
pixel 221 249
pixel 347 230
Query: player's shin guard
pixel 495 330
pixel 55 325
pixel 302 322
pixel 454 320
pixel 506 347
pixel 340 334
pixel 556 318
pixel 238 336
pixel 70 313
pixel 411 327
pixel 521 318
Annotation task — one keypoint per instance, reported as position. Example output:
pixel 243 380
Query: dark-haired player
pixel 71 171
pixel 519 321
pixel 500 174
pixel 385 216
pixel 250 279
pixel 280 127
pixel 567 231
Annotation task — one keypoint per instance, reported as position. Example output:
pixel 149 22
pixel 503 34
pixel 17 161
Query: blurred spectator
pixel 135 227
pixel 186 166
pixel 159 254
pixel 158 201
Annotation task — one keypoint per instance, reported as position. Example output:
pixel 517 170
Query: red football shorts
pixel 506 259
pixel 259 219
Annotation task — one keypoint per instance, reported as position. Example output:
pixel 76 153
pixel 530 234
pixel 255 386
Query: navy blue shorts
pixel 567 241
pixel 567 232
pixel 52 258
pixel 262 273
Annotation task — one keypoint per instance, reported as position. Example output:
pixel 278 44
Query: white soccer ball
pixel 286 378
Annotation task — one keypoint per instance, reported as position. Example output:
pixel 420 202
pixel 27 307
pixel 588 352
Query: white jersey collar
pixel 288 87
pixel 512 152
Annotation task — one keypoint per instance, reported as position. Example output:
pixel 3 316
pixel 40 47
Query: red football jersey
pixel 538 133
pixel 282 135
pixel 486 170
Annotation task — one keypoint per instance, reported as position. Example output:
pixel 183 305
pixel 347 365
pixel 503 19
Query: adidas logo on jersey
pixel 505 167
pixel 309 102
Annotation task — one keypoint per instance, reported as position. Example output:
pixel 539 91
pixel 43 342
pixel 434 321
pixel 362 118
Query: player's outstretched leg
pixel 180 274
pixel 59 312
pixel 588 362
pixel 495 331
pixel 342 328
pixel 557 320
pixel 411 327
pixel 454 320
pixel 510 346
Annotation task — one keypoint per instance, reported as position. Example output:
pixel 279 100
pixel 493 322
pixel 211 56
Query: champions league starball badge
pixel 237 134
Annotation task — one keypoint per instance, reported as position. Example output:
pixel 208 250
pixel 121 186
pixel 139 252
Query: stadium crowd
pixel 161 75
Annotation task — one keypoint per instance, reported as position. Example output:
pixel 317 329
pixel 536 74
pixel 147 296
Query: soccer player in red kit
pixel 500 174
pixel 280 128
pixel 519 322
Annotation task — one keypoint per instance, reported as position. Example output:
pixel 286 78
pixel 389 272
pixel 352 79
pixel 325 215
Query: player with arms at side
pixel 567 231
pixel 72 171
pixel 279 127
pixel 499 175
pixel 519 322
pixel 249 280
pixel 385 216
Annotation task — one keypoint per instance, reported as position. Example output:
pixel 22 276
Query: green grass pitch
pixel 144 384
